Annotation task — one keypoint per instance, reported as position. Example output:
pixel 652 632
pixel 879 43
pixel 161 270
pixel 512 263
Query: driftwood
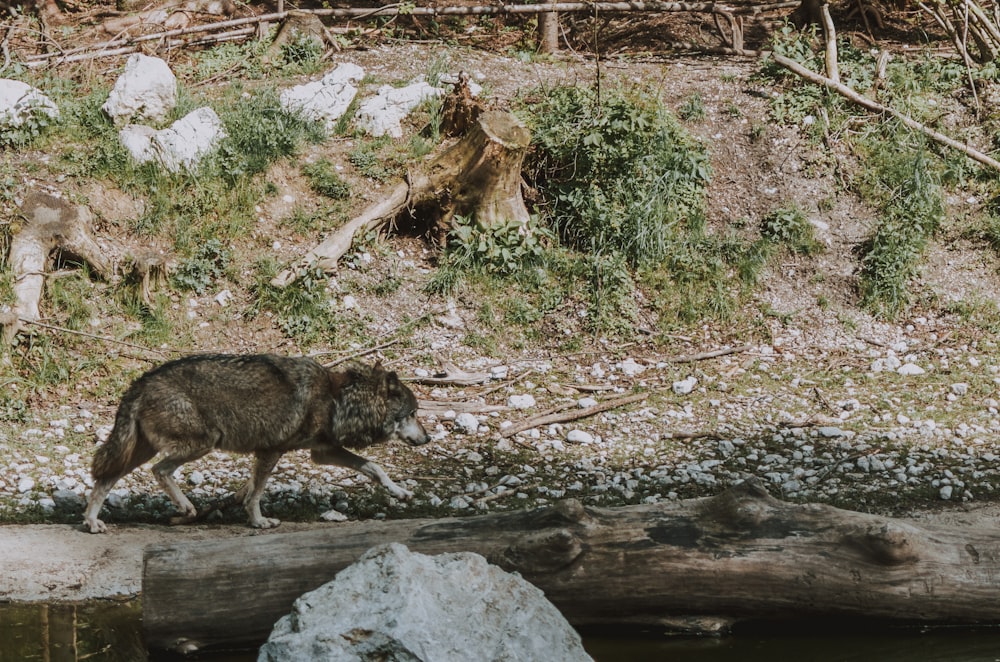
pixel 52 226
pixel 697 565
pixel 876 107
pixel 479 175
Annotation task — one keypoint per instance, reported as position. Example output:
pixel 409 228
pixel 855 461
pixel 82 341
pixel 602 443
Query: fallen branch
pixel 538 421
pixel 691 358
pixel 438 407
pixel 876 107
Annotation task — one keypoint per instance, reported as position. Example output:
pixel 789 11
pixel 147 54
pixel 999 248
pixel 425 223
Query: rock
pixel 382 114
pixel 829 431
pixel 960 388
pixel 526 401
pixel 467 423
pixel 685 386
pixel 393 604
pixel 946 492
pixel 145 92
pixel 327 99
pixel 19 102
pixel 181 146
pixel 910 369
pixel 629 367
pixel 68 500
pixel 579 437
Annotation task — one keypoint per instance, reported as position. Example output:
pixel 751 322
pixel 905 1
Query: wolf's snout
pixel 413 433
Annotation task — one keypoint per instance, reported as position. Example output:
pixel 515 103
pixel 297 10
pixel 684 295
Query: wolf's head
pixel 402 412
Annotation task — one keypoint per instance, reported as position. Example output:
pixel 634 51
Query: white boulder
pixel 685 386
pixel 381 114
pixel 326 99
pixel 395 604
pixel 145 92
pixel 19 101
pixel 181 146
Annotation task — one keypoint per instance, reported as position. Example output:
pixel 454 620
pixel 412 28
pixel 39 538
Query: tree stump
pixel 53 227
pixel 480 176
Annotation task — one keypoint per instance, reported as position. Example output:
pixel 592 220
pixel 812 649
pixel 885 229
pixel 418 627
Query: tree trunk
pixel 52 224
pixel 548 32
pixel 698 565
pixel 480 175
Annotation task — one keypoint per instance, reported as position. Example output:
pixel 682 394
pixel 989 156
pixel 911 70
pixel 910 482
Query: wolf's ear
pixel 393 385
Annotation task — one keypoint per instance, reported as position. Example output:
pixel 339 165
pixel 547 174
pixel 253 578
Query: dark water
pixel 112 632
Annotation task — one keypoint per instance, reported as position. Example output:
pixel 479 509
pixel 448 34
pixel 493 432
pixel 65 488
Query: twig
pixel 364 352
pixel 690 358
pixel 876 107
pixel 548 419
pixel 60 329
pixel 830 35
pixel 438 407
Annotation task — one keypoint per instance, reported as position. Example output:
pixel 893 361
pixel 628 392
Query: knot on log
pixel 744 506
pixel 889 544
pixel 545 552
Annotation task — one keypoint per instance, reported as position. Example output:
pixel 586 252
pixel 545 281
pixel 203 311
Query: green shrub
pixel 324 179
pixel 790 227
pixel 617 171
pixel 204 267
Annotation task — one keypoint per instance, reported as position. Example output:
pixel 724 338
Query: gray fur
pixel 262 404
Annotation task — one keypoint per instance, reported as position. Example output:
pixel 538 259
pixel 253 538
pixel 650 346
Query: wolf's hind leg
pixel 102 487
pixel 342 457
pixel 164 472
pixel 252 491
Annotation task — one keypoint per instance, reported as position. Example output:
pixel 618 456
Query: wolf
pixel 262 404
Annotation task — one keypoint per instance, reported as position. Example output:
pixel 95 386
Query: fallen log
pixel 697 565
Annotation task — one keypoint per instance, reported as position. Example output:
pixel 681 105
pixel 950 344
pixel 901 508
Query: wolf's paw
pixel 401 493
pixel 265 523
pixel 95 526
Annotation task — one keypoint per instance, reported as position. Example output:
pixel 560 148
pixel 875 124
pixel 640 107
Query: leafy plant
pixel 325 180
pixel 501 249
pixel 203 268
pixel 790 227
pixel 692 109
pixel 302 49
pixel 301 310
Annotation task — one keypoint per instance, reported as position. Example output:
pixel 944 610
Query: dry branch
pixel 691 358
pixel 876 107
pixel 565 417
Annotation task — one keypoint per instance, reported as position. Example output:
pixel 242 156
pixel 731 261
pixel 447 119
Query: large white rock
pixel 145 92
pixel 393 604
pixel 180 146
pixel 18 101
pixel 381 114
pixel 326 99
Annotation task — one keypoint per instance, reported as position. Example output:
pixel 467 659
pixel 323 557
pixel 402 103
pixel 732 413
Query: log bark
pixel 699 565
pixel 51 225
pixel 479 175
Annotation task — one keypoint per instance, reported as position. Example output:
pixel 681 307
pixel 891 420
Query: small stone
pixel 909 369
pixel 685 386
pixel 334 516
pixel 946 492
pixel 467 423
pixel 525 401
pixel 579 437
pixel 960 388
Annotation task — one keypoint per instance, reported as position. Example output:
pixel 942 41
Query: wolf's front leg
pixel 342 457
pixel 252 491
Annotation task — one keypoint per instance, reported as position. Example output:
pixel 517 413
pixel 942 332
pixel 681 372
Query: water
pixel 112 632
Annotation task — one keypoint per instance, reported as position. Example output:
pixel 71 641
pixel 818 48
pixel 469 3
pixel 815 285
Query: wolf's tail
pixel 124 450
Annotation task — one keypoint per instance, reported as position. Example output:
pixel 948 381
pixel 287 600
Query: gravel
pixel 862 436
